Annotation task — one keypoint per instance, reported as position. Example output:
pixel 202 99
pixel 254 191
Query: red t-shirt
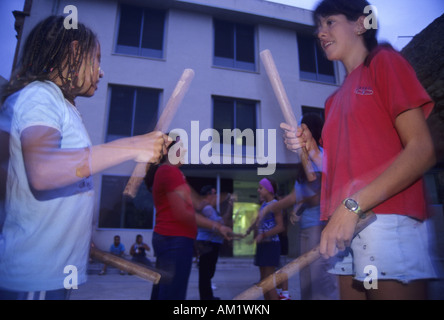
pixel 170 222
pixel 359 136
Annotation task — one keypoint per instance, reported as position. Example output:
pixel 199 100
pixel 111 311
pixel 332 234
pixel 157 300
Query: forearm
pixel 55 168
pixel 110 154
pixel 252 226
pixel 286 202
pixel 49 166
pixel 273 231
pixel 204 222
pixel 315 155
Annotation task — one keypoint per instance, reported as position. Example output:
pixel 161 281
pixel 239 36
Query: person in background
pixel 316 283
pixel 176 224
pixel 138 251
pixel 208 244
pixel 268 247
pixel 117 249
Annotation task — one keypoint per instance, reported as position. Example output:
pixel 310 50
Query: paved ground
pixel 233 276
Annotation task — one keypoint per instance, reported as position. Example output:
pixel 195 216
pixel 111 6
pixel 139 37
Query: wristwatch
pixel 353 206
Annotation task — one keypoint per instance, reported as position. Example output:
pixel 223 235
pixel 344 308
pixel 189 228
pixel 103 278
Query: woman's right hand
pixel 150 147
pixel 297 138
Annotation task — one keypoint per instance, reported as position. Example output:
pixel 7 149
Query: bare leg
pixel 395 290
pixel 351 289
pixel 265 272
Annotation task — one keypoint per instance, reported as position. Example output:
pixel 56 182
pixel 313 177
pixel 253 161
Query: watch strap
pixel 358 211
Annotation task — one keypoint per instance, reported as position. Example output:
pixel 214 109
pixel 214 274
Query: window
pixel 312 61
pixel 132 111
pixel 231 114
pixel 118 211
pixel 141 31
pixel 319 111
pixel 234 45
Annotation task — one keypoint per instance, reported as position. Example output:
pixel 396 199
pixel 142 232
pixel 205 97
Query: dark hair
pixel 49 48
pixel 352 9
pixel 151 172
pixel 207 190
pixel 315 123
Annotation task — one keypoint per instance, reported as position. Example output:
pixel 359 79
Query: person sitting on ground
pixel 138 251
pixel 117 249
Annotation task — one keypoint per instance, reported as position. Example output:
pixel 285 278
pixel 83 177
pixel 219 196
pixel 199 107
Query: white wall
pixel 189 44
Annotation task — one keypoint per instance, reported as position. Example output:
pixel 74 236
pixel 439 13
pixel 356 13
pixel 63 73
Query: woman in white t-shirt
pixel 48 160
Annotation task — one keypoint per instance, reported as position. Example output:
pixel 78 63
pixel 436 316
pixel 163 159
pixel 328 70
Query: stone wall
pixel 426 54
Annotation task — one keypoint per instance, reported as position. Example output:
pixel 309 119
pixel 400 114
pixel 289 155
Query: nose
pixel 320 32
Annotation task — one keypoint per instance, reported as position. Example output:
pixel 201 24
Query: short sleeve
pixel 397 84
pixel 207 211
pixel 39 104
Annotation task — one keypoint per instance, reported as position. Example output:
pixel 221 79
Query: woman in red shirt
pixel 377 146
pixel 175 227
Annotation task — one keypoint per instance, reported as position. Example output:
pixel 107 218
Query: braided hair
pixel 49 54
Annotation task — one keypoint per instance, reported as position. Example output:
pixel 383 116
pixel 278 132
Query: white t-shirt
pixel 41 237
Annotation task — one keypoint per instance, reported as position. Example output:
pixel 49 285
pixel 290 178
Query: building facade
pixel 145 47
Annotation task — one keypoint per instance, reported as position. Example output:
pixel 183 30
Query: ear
pixel 360 27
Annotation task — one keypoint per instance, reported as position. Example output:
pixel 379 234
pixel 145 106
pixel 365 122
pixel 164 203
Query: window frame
pixel 124 205
pixel 139 50
pixel 234 63
pixel 315 76
pixel 247 151
pixel 112 136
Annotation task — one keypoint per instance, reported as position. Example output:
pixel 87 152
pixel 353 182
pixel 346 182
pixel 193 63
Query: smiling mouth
pixel 326 44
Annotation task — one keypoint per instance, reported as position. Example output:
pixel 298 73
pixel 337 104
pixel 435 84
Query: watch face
pixel 351 204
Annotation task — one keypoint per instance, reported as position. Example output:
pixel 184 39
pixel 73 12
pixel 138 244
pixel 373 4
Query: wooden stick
pixel 284 103
pixel 162 125
pixel 125 265
pixel 294 266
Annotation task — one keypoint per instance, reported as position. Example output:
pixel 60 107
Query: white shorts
pixel 394 247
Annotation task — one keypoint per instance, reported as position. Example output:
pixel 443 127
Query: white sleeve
pixel 39 104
